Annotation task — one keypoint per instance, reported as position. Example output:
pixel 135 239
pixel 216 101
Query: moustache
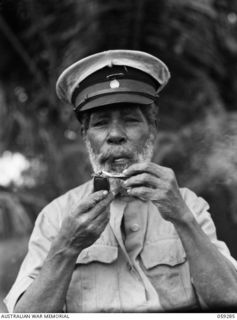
pixel 115 153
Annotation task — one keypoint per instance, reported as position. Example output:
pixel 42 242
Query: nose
pixel 116 135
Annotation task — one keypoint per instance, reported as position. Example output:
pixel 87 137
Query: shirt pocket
pixel 99 253
pixel 93 286
pixel 165 263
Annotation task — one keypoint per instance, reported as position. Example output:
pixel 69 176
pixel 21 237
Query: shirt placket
pixel 135 227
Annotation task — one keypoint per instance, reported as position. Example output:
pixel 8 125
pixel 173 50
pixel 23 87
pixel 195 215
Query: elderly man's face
pixel 117 137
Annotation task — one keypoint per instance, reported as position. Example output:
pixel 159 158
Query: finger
pixel 98 225
pixel 149 167
pixel 143 179
pixel 92 200
pixel 102 206
pixel 144 193
pixel 103 217
pixel 102 225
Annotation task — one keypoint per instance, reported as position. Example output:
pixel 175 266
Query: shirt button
pixel 135 227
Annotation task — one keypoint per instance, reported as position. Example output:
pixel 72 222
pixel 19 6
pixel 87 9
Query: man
pixel 144 246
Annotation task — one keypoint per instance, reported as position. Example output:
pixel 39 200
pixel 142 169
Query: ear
pixel 154 130
pixel 154 127
pixel 83 132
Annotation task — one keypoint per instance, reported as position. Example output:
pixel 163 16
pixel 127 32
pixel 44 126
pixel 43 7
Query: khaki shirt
pixel 138 265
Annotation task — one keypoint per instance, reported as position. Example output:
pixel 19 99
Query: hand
pixel 84 225
pixel 149 181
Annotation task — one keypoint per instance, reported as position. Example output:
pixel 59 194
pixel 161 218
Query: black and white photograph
pixel 118 157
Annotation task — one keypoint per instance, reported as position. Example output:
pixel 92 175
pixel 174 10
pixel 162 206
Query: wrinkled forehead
pixel 147 113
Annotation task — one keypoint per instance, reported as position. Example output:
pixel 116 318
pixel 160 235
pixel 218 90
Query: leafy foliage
pixel 198 136
pixel 197 39
pixel 13 217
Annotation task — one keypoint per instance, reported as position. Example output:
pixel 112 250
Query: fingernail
pixel 105 192
pixel 125 171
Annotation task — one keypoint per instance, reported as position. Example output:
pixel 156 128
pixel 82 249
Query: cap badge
pixel 114 84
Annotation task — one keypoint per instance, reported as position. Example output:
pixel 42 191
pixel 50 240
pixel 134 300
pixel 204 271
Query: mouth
pixel 118 164
pixel 116 161
pixel 120 161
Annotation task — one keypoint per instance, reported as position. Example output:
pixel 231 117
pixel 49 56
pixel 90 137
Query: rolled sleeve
pixel 45 229
pixel 17 290
pixel 199 207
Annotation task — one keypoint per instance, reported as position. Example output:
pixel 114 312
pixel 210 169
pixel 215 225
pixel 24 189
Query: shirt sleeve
pixel 45 229
pixel 199 207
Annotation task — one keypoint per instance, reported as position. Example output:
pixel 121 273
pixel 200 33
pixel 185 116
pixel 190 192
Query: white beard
pixel 144 156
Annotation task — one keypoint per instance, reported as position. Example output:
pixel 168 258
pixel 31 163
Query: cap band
pixel 115 86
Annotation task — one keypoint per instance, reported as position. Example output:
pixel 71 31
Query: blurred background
pixel 41 152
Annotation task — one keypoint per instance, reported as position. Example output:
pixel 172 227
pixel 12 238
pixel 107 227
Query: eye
pixel 99 123
pixel 132 119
